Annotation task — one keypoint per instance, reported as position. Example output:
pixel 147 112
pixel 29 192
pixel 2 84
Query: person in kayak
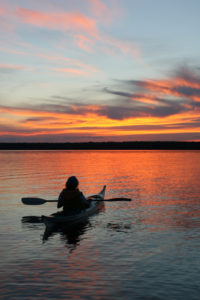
pixel 71 198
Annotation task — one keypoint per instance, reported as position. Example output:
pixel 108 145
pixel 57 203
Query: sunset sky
pixel 94 70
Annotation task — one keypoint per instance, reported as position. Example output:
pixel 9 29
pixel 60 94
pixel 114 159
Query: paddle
pixel 40 201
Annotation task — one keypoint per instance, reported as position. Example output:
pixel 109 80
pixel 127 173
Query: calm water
pixel 147 249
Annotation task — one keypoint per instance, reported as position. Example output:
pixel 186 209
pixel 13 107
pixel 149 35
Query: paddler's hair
pixel 72 183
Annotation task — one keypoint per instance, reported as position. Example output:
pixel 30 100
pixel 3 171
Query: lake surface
pixel 147 249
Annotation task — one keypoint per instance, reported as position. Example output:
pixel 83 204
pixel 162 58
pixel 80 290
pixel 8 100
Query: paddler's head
pixel 72 183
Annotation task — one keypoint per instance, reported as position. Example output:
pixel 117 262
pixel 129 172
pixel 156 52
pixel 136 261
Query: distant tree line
pixel 159 145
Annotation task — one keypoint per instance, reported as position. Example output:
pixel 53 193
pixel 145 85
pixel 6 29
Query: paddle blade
pixel 118 199
pixel 33 201
pixel 109 200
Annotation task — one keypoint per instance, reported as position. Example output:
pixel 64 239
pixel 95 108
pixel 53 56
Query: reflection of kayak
pixel 68 221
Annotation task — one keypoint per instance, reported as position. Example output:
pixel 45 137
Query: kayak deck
pixel 60 219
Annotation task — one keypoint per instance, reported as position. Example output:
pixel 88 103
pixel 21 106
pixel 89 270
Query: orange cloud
pixel 59 20
pixel 123 46
pixel 10 67
pixel 69 61
pixel 106 12
pixel 84 42
pixel 84 28
pixel 34 122
pixel 186 84
pixel 177 87
pixel 98 7
pixel 70 71
pixel 58 59
pixel 2 10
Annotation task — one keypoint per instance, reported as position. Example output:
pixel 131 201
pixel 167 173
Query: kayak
pixel 68 221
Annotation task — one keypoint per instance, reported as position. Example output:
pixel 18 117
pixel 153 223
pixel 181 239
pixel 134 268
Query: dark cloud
pixel 118 93
pixel 38 119
pixel 129 99
pixel 134 98
pixel 159 98
pixel 184 81
pixel 121 113
pixel 186 91
pixel 14 130
pixel 83 137
pixel 188 74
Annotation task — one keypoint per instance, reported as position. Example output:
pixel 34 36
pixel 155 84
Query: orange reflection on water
pixel 155 173
pixel 164 185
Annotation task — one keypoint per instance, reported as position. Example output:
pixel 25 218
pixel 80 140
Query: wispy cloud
pixel 7 68
pixel 68 64
pixel 84 30
pixel 5 24
pixel 64 21
pixel 2 10
pixel 98 8
pixel 70 71
pixel 84 42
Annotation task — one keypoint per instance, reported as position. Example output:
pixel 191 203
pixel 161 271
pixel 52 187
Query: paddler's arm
pixel 85 202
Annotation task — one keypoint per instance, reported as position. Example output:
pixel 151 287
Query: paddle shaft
pixel 40 201
pixel 101 200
